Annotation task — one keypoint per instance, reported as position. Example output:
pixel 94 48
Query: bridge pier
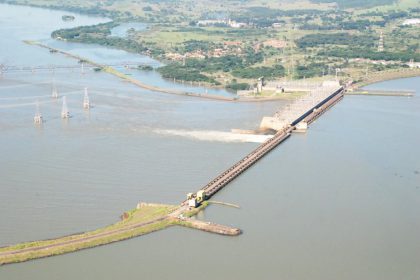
pixel 302 126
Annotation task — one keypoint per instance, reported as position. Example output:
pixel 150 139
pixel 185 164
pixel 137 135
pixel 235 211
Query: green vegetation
pixel 99 34
pixel 235 57
pixel 273 39
pixel 194 69
pixel 235 86
pixel 321 39
pixel 276 71
pixel 310 70
pixel 370 54
pixel 195 211
pixel 98 31
pixel 181 72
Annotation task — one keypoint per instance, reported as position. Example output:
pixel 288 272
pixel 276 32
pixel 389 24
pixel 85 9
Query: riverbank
pixel 119 74
pixel 115 72
pixel 386 76
pixel 363 81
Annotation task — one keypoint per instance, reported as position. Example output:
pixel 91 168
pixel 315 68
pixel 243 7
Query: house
pixel 411 21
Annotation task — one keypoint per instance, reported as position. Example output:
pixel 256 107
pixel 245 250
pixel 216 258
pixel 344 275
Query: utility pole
pixel 336 73
pixel 38 116
pixel 64 110
pixel 86 102
pixel 54 93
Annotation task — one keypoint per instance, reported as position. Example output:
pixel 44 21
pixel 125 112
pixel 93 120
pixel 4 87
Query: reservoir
pixel 339 202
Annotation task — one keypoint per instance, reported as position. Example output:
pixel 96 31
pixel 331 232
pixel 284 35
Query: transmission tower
pixel 54 91
pixel 86 103
pixel 38 116
pixel 65 111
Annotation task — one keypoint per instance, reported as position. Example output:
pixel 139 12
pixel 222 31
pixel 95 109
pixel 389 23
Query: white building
pixel 412 21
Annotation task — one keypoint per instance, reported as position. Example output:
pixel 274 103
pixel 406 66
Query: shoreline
pixel 387 76
pixel 371 79
pixel 115 72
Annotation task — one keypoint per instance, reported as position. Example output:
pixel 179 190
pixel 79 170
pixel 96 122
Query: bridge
pixel 306 114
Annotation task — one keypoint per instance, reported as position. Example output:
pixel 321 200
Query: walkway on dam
pixel 306 114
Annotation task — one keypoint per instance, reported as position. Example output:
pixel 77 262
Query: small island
pixel 68 18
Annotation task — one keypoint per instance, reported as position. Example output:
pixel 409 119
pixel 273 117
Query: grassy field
pixel 173 11
pixel 169 38
pixel 397 5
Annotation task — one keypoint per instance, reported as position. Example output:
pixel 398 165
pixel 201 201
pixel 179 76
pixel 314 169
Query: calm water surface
pixel 339 202
pixel 123 29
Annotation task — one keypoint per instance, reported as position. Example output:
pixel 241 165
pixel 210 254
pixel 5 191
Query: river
pixel 339 202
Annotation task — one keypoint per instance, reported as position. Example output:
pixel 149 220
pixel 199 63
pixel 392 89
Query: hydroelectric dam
pixel 147 218
pixel 296 116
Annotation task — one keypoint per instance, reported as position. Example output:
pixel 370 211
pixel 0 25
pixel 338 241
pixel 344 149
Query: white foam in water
pixel 218 136
pixel 23 104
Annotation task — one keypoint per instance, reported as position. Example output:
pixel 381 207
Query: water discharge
pixel 217 136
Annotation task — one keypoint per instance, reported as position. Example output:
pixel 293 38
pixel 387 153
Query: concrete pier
pixel 209 227
pixel 382 93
